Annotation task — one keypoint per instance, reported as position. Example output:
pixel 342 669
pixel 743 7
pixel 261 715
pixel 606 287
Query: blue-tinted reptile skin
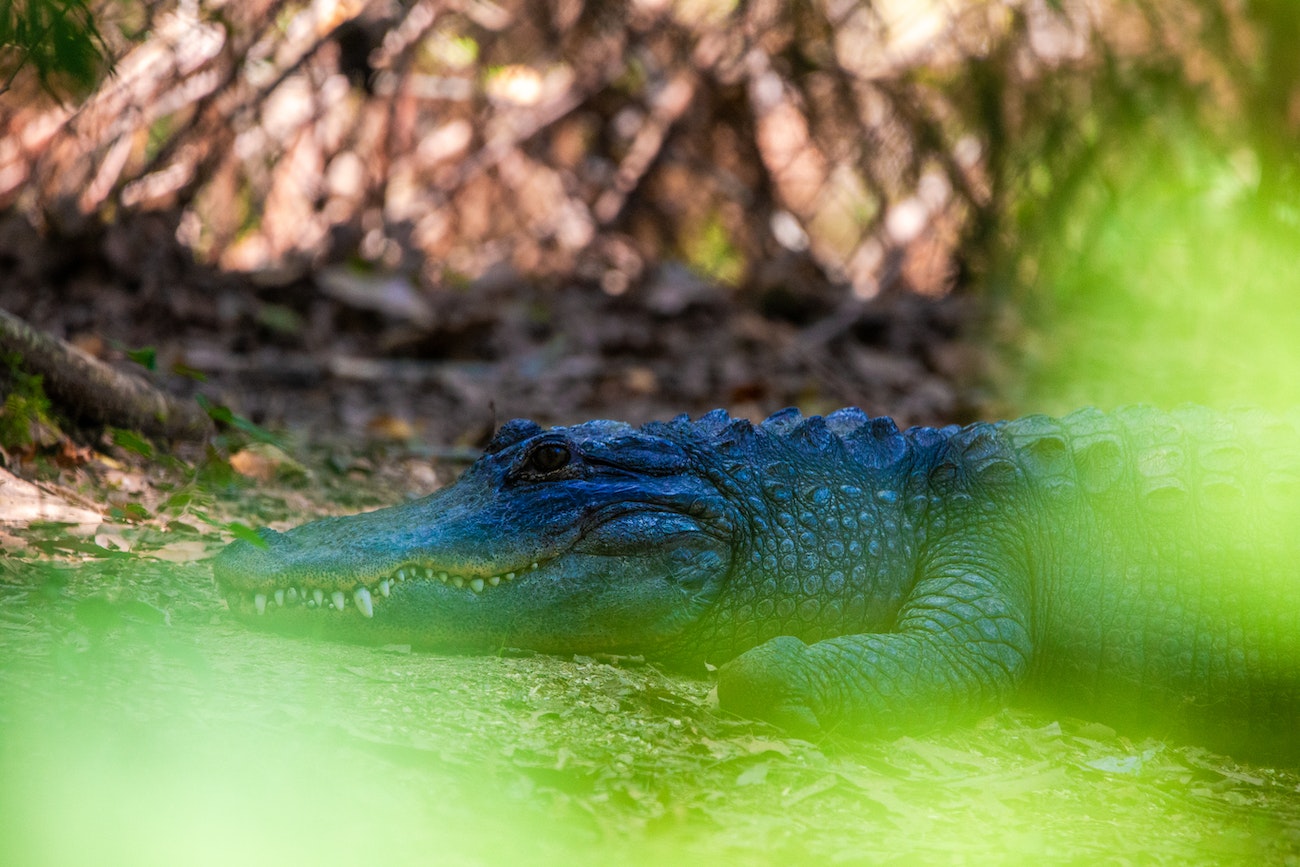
pixel 1136 566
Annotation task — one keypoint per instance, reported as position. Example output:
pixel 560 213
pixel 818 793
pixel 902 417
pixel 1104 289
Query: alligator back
pixel 1164 549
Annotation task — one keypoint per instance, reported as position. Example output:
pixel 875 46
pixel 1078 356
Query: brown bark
pixel 91 390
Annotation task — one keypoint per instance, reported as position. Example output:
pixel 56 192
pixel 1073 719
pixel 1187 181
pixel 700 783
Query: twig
pixel 9 80
pixel 669 105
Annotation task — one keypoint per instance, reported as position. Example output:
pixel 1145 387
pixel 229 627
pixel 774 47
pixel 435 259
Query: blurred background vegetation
pixel 1107 187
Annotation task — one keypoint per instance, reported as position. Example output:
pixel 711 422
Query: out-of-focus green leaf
pixel 145 356
pixel 58 40
pixel 129 512
pixel 132 442
pixel 247 533
pixel 280 319
pixel 224 416
pixel 189 372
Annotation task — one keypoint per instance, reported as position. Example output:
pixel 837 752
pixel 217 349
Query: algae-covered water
pixel 143 727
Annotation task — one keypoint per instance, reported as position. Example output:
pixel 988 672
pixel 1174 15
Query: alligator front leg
pixel 961 646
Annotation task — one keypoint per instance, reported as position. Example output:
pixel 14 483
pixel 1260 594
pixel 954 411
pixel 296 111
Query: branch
pixel 96 392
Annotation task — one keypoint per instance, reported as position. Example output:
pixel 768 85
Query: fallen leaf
pixel 263 462
pixel 22 503
pixel 181 552
pixel 390 427
pixel 764 745
pixel 754 775
pixel 815 788
pixel 112 541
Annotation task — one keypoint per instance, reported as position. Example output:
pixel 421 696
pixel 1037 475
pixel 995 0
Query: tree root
pixel 92 391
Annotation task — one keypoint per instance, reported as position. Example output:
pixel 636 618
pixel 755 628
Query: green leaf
pixel 145 356
pixel 130 512
pixel 58 40
pixel 280 319
pixel 247 533
pixel 216 411
pixel 131 441
pixel 68 544
pixel 177 501
pixel 223 415
pixel 189 372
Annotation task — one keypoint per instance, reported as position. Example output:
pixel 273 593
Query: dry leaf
pixel 21 503
pixel 390 427
pixel 112 541
pixel 263 462
pixel 181 552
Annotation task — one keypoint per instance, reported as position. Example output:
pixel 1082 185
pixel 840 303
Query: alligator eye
pixel 549 457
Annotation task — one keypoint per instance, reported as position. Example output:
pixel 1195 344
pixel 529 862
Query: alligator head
pixel 597 537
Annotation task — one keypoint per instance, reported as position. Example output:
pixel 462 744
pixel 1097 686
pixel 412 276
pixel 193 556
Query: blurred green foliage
pixel 710 250
pixel 58 40
pixel 23 404
pixel 1144 226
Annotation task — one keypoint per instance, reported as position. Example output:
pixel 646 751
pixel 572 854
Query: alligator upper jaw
pixel 364 596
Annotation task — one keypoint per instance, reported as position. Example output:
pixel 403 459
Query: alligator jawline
pixel 364 597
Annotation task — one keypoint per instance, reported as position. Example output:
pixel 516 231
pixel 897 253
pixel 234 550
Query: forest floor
pixel 339 354
pixel 141 725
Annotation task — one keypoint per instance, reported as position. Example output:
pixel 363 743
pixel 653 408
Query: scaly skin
pixel 1136 567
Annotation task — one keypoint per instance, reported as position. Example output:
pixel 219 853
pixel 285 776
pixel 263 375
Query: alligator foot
pixel 771 683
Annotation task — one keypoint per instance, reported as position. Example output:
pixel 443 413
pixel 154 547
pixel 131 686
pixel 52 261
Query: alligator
pixel 1135 567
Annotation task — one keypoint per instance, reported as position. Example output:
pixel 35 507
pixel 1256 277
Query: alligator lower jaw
pixel 364 597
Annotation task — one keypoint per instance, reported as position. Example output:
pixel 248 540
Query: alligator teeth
pixel 364 597
pixel 361 596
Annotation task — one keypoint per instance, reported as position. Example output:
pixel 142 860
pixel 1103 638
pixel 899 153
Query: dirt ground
pixel 140 724
pixel 150 729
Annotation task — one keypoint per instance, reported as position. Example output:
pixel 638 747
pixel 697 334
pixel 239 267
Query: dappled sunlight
pixel 466 138
pixel 440 142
